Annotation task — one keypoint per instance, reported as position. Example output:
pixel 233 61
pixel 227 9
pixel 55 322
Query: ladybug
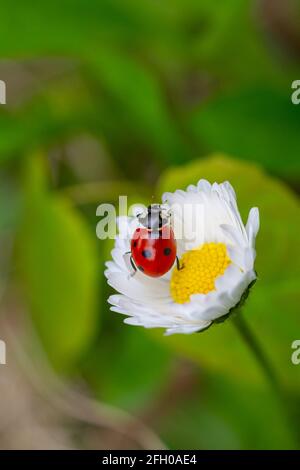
pixel 153 245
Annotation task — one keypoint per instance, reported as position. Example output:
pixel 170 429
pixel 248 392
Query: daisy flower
pixel 216 252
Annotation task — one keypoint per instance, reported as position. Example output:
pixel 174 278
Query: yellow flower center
pixel 200 269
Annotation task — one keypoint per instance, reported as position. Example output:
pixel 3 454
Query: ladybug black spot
pixel 146 253
pixel 167 251
pixel 141 268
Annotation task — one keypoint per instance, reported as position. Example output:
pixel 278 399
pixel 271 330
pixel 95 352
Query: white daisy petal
pixel 204 186
pixel 233 234
pixel 134 288
pixel 240 287
pixel 191 188
pixel 187 329
pixel 252 225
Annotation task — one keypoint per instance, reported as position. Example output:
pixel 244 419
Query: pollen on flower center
pixel 201 267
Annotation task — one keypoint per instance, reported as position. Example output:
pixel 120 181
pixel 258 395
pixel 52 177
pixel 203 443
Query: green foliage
pixel 257 124
pixel 139 96
pixel 71 26
pixel 56 113
pixel 232 45
pixel 137 372
pixel 227 417
pixel 58 263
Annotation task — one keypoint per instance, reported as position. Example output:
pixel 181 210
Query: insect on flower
pixel 153 244
pixel 217 260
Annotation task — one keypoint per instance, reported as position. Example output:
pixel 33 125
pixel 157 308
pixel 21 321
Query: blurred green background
pixel 136 97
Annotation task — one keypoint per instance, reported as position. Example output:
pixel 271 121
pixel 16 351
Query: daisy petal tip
pixel 166 197
pixel 253 224
pixel 204 185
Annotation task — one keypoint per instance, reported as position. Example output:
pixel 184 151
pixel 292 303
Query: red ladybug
pixel 153 246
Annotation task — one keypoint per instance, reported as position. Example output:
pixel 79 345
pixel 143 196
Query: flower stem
pixel 249 337
pixel 284 398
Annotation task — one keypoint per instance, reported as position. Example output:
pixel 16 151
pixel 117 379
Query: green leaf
pixel 139 98
pixel 72 26
pixel 232 45
pixel 137 370
pixel 259 124
pixel 58 263
pixel 248 410
pixel 272 307
pixel 61 109
pixel 221 413
pixel 9 204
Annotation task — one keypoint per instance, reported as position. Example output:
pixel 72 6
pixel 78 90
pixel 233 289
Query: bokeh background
pixel 136 97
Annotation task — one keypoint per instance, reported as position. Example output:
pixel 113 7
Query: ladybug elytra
pixel 153 245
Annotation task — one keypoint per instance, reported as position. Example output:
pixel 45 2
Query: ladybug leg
pixel 133 266
pixel 129 263
pixel 178 264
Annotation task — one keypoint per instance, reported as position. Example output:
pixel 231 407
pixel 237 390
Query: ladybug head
pixel 156 216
